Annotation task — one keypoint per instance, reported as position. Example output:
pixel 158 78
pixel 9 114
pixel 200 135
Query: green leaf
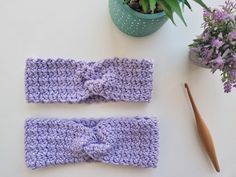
pixel 152 4
pixel 200 2
pixel 126 1
pixel 185 2
pixel 144 5
pixel 167 9
pixel 175 7
pixel 182 1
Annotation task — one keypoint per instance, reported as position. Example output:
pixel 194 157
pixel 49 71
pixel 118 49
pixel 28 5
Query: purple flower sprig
pixel 216 46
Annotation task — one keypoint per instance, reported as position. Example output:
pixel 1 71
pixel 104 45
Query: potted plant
pixel 143 17
pixel 215 48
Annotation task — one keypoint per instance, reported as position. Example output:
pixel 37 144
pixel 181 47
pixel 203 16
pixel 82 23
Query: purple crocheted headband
pixel 70 81
pixel 121 141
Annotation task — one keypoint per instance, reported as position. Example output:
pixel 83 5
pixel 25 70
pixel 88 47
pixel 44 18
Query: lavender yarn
pixel 121 141
pixel 70 81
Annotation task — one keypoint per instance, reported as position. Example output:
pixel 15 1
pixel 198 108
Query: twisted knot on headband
pixel 97 86
pixel 95 82
pixel 90 144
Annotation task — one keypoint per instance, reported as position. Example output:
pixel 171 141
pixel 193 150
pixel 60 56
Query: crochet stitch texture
pixel 122 141
pixel 70 81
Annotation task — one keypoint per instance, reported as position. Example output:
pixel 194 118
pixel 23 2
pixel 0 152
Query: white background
pixel 83 29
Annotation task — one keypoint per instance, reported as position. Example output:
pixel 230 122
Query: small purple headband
pixel 120 141
pixel 70 81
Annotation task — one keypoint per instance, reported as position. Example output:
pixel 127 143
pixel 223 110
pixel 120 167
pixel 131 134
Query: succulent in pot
pixel 143 17
pixel 215 48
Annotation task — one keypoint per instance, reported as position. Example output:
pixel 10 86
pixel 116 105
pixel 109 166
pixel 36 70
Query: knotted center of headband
pixel 95 82
pixel 90 142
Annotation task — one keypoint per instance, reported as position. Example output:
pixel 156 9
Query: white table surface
pixel 83 29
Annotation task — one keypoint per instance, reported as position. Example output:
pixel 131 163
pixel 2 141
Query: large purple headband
pixel 70 81
pixel 120 141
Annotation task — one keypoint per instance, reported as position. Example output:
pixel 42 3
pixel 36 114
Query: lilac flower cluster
pixel 216 46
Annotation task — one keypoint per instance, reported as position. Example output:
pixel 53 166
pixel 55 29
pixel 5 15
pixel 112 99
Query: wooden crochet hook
pixel 204 132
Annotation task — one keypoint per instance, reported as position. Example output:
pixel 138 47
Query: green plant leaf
pixel 182 1
pixel 185 2
pixel 126 1
pixel 167 9
pixel 152 4
pixel 175 7
pixel 144 5
pixel 200 2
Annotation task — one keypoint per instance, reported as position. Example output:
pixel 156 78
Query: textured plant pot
pixel 132 22
pixel 196 60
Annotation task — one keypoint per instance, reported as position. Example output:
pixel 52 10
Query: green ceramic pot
pixel 132 22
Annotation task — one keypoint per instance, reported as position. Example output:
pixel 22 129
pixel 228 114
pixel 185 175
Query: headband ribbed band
pixel 121 141
pixel 70 81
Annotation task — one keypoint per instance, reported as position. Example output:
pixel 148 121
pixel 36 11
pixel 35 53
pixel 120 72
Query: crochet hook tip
pixel 185 85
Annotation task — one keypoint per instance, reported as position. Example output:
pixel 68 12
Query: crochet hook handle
pixel 204 132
